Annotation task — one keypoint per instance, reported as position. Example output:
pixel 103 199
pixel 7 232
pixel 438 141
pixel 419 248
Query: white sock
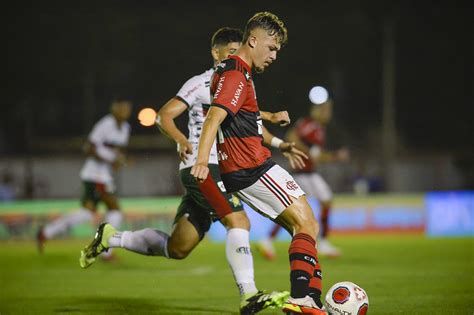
pixel 147 242
pixel 61 224
pixel 114 217
pixel 240 259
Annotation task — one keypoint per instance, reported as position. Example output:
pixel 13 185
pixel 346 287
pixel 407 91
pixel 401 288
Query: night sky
pixel 61 56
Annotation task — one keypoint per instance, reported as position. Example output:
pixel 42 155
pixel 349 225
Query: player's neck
pixel 244 54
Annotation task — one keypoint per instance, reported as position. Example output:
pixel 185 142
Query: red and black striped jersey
pixel 311 133
pixel 242 156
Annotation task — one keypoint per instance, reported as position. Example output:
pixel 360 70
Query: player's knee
pixel 178 253
pixel 305 222
pixel 236 220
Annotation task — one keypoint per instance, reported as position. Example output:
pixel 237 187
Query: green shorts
pixel 207 202
pixel 92 191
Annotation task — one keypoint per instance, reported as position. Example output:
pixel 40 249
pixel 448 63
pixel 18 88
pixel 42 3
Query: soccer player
pixel 203 203
pixel 309 134
pixel 105 149
pixel 247 169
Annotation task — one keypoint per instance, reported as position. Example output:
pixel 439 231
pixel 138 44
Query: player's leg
pixel 230 211
pixel 277 195
pixel 265 246
pixel 90 197
pixel 323 193
pixel 114 214
pixel 189 228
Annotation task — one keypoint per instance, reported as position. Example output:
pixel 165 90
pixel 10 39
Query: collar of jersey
pixel 242 62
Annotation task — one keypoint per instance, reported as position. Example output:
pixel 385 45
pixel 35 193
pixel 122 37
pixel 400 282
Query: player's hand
pixel 280 118
pixel 184 150
pixel 294 155
pixel 342 155
pixel 200 172
pixel 120 161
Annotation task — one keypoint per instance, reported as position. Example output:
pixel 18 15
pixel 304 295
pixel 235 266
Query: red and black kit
pixel 242 156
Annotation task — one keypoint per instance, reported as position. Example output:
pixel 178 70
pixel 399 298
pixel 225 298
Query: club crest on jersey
pixel 291 185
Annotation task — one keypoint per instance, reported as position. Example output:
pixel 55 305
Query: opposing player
pixel 105 149
pixel 247 169
pixel 309 134
pixel 203 203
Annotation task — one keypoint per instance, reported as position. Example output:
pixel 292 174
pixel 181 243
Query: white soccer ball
pixel 347 298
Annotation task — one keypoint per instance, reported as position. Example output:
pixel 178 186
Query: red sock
pixel 302 262
pixel 276 228
pixel 325 220
pixel 315 284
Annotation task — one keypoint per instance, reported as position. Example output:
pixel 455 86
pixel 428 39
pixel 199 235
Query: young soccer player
pixel 203 203
pixel 105 150
pixel 247 169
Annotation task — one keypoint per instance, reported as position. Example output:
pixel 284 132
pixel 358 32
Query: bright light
pixel 147 117
pixel 318 95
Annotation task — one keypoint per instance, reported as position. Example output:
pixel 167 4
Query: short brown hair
pixel 226 35
pixel 270 23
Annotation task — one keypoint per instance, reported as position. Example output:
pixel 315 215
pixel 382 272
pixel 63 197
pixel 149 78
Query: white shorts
pixel 271 193
pixel 314 185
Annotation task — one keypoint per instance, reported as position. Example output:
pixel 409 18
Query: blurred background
pixel 400 74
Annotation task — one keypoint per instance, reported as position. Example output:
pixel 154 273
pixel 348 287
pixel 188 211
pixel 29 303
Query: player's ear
pixel 215 53
pixel 252 41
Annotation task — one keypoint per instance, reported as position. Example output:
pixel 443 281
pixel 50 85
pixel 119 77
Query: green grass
pixel 402 274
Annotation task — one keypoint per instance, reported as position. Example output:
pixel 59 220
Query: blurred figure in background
pixel 309 134
pixel 7 190
pixel 105 149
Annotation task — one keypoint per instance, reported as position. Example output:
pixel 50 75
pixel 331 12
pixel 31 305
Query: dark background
pixel 65 60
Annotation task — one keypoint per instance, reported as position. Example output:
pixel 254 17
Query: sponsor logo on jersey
pixel 247 75
pixel 222 156
pixel 192 90
pixel 219 86
pixel 341 295
pixel 237 94
pixel 291 185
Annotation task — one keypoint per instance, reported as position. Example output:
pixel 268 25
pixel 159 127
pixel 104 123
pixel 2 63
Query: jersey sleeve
pixel 230 91
pixel 98 133
pixel 189 92
pixel 97 137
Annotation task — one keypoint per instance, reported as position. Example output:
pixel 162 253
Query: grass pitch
pixel 402 274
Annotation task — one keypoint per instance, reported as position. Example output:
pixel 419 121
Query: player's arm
pixel 165 122
pixel 214 118
pixel 319 155
pixel 288 149
pixel 281 118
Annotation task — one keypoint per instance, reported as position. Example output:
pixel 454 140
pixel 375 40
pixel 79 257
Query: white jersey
pixel 107 136
pixel 196 94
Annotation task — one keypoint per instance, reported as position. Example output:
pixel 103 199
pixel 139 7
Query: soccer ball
pixel 347 298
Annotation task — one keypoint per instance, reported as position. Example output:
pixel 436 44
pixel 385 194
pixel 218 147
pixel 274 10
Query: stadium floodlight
pixel 147 116
pixel 318 95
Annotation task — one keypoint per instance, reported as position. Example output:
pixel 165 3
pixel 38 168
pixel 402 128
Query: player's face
pixel 122 110
pixel 322 113
pixel 225 50
pixel 265 50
